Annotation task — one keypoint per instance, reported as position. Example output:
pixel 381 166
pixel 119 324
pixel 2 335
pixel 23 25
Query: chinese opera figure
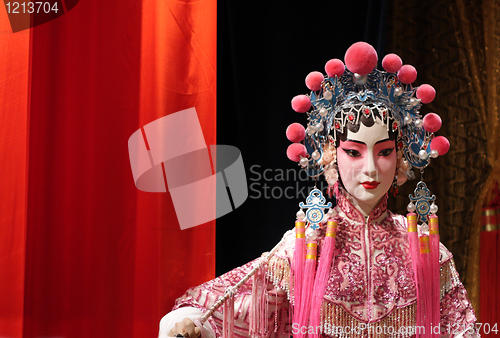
pixel 356 269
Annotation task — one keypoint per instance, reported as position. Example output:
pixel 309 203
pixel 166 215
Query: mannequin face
pixel 367 164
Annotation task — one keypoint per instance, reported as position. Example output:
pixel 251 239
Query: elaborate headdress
pixel 355 91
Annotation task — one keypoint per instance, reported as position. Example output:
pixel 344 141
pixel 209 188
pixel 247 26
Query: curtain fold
pixel 447 40
pixel 14 56
pixel 488 295
pixel 459 44
pixel 480 29
pixel 91 255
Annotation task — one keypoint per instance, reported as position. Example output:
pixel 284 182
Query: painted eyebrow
pixel 356 141
pixel 381 141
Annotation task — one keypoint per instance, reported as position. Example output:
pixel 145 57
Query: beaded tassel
pixel 425 280
pixel 322 275
pixel 258 325
pixel 308 281
pixel 415 255
pixel 435 273
pixel 228 321
pixel 299 257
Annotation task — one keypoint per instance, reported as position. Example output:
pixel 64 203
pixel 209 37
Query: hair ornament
pixel 356 90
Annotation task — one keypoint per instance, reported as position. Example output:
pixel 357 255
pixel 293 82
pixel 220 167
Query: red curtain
pixel 83 253
pixel 14 56
pixel 489 264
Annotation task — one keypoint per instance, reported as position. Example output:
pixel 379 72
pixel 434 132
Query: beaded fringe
pixel 334 316
pixel 278 272
pixel 228 316
pixel 258 312
pixel 337 322
pixel 449 277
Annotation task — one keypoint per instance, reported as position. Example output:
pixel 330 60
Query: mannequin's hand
pixel 186 328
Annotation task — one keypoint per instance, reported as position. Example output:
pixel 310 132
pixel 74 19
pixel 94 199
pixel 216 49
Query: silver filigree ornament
pixel 315 205
pixel 420 202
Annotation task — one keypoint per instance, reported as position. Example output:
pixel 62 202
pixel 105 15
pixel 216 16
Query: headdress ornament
pixel 346 94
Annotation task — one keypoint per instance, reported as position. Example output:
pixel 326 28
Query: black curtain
pixel 265 52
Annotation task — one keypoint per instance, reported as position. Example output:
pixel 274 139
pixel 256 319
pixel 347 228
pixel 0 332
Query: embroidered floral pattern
pixel 372 272
pixel 371 279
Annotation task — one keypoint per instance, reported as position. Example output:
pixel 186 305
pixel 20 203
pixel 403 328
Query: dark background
pixel 264 53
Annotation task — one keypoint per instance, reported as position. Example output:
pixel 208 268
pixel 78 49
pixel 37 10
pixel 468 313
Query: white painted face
pixel 367 164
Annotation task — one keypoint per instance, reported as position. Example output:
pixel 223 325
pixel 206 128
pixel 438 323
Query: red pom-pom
pixel 295 132
pixel 426 93
pixel 313 80
pixel 335 67
pixel 441 144
pixel 295 150
pixel 407 74
pixel 361 58
pixel 392 63
pixel 301 103
pixel 432 122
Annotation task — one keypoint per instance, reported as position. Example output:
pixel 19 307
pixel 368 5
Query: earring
pixel 331 174
pixel 329 160
pixel 395 186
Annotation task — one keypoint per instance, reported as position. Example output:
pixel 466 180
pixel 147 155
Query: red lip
pixel 370 185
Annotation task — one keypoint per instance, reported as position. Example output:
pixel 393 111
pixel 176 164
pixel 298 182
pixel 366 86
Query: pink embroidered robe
pixel 371 290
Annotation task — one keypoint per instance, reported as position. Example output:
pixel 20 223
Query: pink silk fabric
pixel 371 283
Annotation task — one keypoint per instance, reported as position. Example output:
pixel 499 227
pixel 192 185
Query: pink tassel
pixel 299 258
pixel 435 273
pixel 322 276
pixel 415 255
pixel 228 320
pixel 258 325
pixel 425 280
pixel 308 281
